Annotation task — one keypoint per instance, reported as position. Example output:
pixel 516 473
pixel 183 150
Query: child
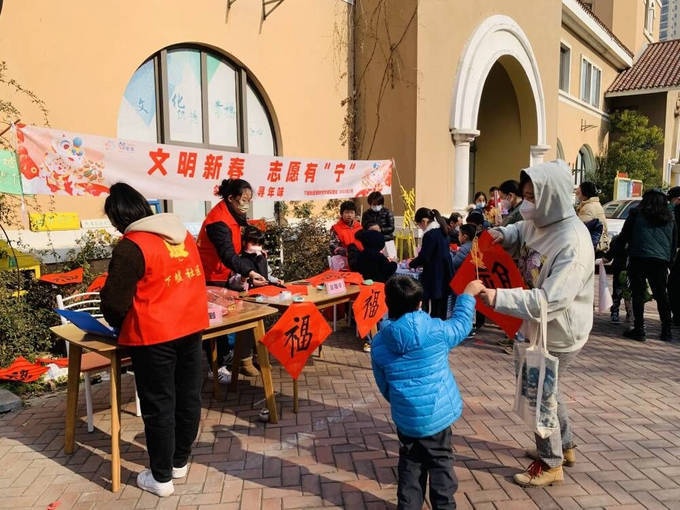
pixel 466 234
pixel 252 258
pixel 410 361
pixel 619 257
pixel 372 263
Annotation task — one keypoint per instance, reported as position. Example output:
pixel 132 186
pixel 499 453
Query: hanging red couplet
pixel 299 331
pixel 496 270
pixel 75 276
pixel 330 275
pixel 369 307
pixel 98 283
pixel 22 370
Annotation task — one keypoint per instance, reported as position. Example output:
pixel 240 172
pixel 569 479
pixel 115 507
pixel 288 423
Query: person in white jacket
pixel 556 259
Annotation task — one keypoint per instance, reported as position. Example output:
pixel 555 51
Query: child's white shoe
pixel 147 482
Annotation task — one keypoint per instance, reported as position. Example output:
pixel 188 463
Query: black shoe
pixel 615 316
pixel 635 334
pixel 666 335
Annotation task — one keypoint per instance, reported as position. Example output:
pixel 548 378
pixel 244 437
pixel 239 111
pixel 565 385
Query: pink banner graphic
pixel 58 162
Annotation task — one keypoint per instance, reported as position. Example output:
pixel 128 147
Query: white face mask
pixel 505 204
pixel 527 210
pixel 251 248
pixel 376 208
pixel 481 205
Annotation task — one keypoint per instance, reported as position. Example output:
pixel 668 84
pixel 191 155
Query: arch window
pixel 192 96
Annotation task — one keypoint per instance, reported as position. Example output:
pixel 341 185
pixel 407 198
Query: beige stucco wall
pixel 386 84
pixel 628 22
pixel 573 114
pixel 444 28
pixel 78 56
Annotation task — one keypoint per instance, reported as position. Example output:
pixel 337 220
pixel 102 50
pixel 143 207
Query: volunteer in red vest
pixel 220 243
pixel 343 234
pixel 155 294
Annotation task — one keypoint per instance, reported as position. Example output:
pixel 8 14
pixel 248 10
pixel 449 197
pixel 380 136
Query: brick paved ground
pixel 340 450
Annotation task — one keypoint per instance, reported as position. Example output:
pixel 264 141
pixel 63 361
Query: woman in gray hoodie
pixel 556 259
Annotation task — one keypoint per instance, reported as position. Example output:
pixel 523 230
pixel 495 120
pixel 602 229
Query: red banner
pixel 496 270
pixel 60 362
pixel 22 370
pixel 330 275
pixel 98 283
pixel 75 276
pixel 299 331
pixel 369 307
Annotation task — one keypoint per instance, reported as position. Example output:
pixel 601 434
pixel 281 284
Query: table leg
pixel 115 422
pixel 74 354
pixel 214 367
pixel 295 396
pixel 266 369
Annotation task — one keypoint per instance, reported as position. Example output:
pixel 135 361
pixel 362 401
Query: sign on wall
pixel 64 163
pixel 10 182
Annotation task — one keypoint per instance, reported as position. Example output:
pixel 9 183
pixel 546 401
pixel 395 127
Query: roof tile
pixel 657 67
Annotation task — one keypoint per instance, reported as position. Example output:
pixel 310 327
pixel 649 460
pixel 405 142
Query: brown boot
pixel 569 456
pixel 539 474
pixel 248 368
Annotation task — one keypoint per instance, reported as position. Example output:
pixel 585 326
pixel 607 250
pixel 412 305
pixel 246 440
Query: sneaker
pixel 615 316
pixel 223 375
pixel 367 347
pixel 147 482
pixel 506 342
pixel 539 474
pixel 180 472
pixel 635 334
pixel 569 455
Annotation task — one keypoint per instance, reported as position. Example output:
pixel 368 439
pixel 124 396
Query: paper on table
pixel 87 323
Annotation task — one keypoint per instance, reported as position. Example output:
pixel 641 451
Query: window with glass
pixel 190 96
pixel 649 15
pixel 591 79
pixel 565 63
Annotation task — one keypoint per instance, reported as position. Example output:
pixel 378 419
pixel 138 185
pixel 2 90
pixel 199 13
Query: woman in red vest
pixel 220 244
pixel 155 294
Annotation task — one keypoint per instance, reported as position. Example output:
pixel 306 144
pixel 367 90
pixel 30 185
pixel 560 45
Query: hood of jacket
pixel 406 333
pixel 553 192
pixel 166 225
pixel 372 240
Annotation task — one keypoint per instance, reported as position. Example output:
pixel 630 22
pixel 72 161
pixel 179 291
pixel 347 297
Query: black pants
pixel 654 271
pixel 674 289
pixel 168 377
pixel 420 457
pixel 438 308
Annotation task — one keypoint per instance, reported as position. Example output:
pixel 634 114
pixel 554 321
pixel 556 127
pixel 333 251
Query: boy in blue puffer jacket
pixel 410 358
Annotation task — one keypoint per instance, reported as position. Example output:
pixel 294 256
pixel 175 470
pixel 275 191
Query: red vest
pixel 171 300
pixel 346 234
pixel 215 270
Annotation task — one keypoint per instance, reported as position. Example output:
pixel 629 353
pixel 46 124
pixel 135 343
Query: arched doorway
pixel 499 105
pixel 585 164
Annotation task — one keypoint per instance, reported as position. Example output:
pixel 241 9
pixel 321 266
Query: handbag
pixel 536 375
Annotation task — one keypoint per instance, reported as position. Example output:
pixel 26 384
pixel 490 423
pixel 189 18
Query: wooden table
pixel 244 316
pixel 321 299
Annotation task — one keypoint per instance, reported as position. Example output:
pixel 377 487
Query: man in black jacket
pixel 674 277
pixel 379 215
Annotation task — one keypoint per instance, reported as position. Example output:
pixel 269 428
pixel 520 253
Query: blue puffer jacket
pixel 410 359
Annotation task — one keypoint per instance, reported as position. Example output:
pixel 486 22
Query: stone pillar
pixel 461 167
pixel 536 153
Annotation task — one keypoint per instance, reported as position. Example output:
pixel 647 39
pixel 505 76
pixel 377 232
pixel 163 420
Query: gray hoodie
pixel 556 257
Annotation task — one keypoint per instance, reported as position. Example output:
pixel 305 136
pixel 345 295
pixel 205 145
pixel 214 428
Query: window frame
pixel 244 79
pixel 649 20
pixel 564 44
pixel 592 99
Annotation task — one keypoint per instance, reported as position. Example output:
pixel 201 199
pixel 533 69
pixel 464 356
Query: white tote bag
pixel 605 302
pixel 536 372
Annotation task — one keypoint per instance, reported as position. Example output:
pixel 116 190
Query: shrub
pixel 297 251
